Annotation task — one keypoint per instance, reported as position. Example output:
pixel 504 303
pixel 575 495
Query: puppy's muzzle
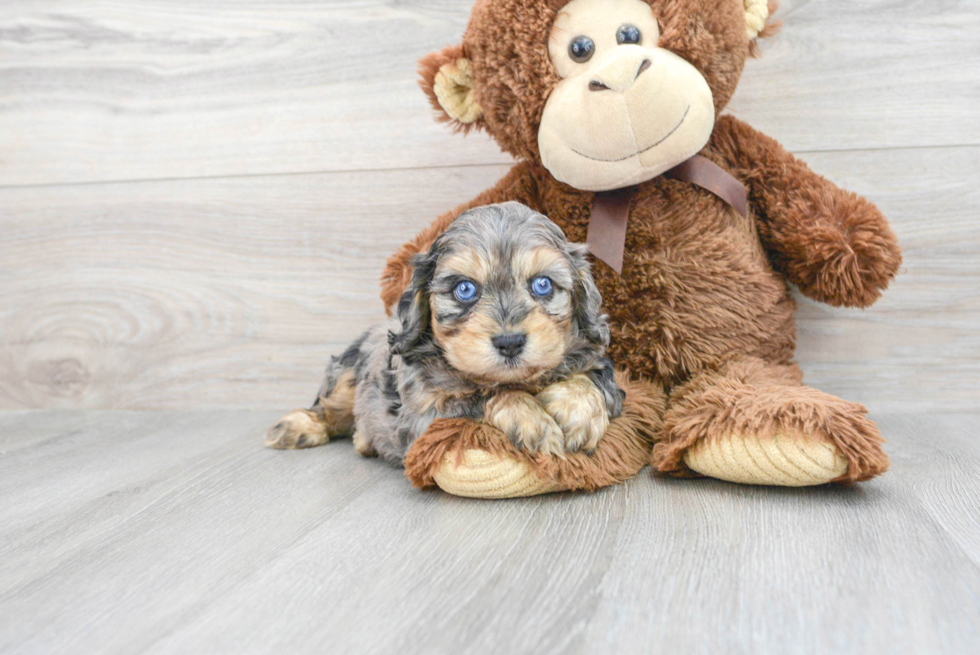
pixel 510 345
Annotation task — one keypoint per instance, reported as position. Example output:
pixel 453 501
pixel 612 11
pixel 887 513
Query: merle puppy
pixel 501 323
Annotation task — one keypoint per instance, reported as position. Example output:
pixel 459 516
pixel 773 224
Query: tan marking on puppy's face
pixel 467 264
pixel 529 263
pixel 471 349
pixel 468 345
pixel 503 305
pixel 547 339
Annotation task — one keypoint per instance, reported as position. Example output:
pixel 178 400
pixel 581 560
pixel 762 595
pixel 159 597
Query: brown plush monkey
pixel 613 109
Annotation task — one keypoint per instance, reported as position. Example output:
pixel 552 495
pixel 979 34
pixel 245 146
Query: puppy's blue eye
pixel 465 291
pixel 541 286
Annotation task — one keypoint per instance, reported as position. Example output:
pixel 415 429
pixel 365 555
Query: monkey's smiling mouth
pixel 638 152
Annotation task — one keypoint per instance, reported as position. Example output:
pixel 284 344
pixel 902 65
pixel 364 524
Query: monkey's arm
pixel 518 185
pixel 833 244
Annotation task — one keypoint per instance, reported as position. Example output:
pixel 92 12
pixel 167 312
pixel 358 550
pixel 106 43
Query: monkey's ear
pixel 757 12
pixel 447 79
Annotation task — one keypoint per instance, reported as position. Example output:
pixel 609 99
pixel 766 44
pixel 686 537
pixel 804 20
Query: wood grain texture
pixel 234 292
pixel 175 532
pixel 275 153
pixel 152 89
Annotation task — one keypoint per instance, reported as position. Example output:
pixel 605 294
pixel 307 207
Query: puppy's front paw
pixel 299 428
pixel 579 408
pixel 524 421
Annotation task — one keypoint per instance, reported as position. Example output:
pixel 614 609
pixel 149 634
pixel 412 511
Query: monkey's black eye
pixel 628 34
pixel 581 49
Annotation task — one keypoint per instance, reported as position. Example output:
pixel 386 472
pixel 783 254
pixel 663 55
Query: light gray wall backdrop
pixel 195 209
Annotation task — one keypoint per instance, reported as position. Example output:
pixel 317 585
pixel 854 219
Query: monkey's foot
pixel 473 459
pixel 786 459
pixel 482 474
pixel 755 423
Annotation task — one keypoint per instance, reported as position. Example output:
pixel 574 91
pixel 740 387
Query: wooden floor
pixel 196 201
pixel 175 532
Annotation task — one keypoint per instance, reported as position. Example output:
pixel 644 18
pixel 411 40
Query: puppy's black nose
pixel 510 345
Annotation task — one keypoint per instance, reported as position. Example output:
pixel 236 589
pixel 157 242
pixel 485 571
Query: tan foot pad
pixel 484 475
pixel 786 461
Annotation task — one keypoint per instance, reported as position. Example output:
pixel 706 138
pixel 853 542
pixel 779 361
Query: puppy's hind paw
pixel 298 429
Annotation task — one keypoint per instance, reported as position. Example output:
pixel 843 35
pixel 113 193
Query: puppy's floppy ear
pixel 413 308
pixel 593 325
pixel 447 79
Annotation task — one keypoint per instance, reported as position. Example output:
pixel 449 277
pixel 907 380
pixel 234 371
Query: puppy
pixel 501 323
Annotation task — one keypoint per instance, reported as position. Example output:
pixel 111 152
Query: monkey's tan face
pixel 503 317
pixel 625 110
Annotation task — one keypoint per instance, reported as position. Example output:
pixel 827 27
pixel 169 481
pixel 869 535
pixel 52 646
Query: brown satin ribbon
pixel 710 176
pixel 610 209
pixel 607 226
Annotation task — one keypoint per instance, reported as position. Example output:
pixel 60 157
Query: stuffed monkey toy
pixel 698 224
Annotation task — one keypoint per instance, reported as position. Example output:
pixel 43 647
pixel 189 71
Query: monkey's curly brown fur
pixel 703 291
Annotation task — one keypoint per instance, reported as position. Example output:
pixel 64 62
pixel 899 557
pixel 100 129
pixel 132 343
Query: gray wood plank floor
pixel 175 532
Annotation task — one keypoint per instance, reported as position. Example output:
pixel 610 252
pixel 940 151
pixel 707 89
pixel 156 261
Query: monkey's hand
pixel 838 250
pixel 831 243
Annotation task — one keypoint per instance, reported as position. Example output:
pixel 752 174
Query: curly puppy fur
pixel 547 385
pixel 703 291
